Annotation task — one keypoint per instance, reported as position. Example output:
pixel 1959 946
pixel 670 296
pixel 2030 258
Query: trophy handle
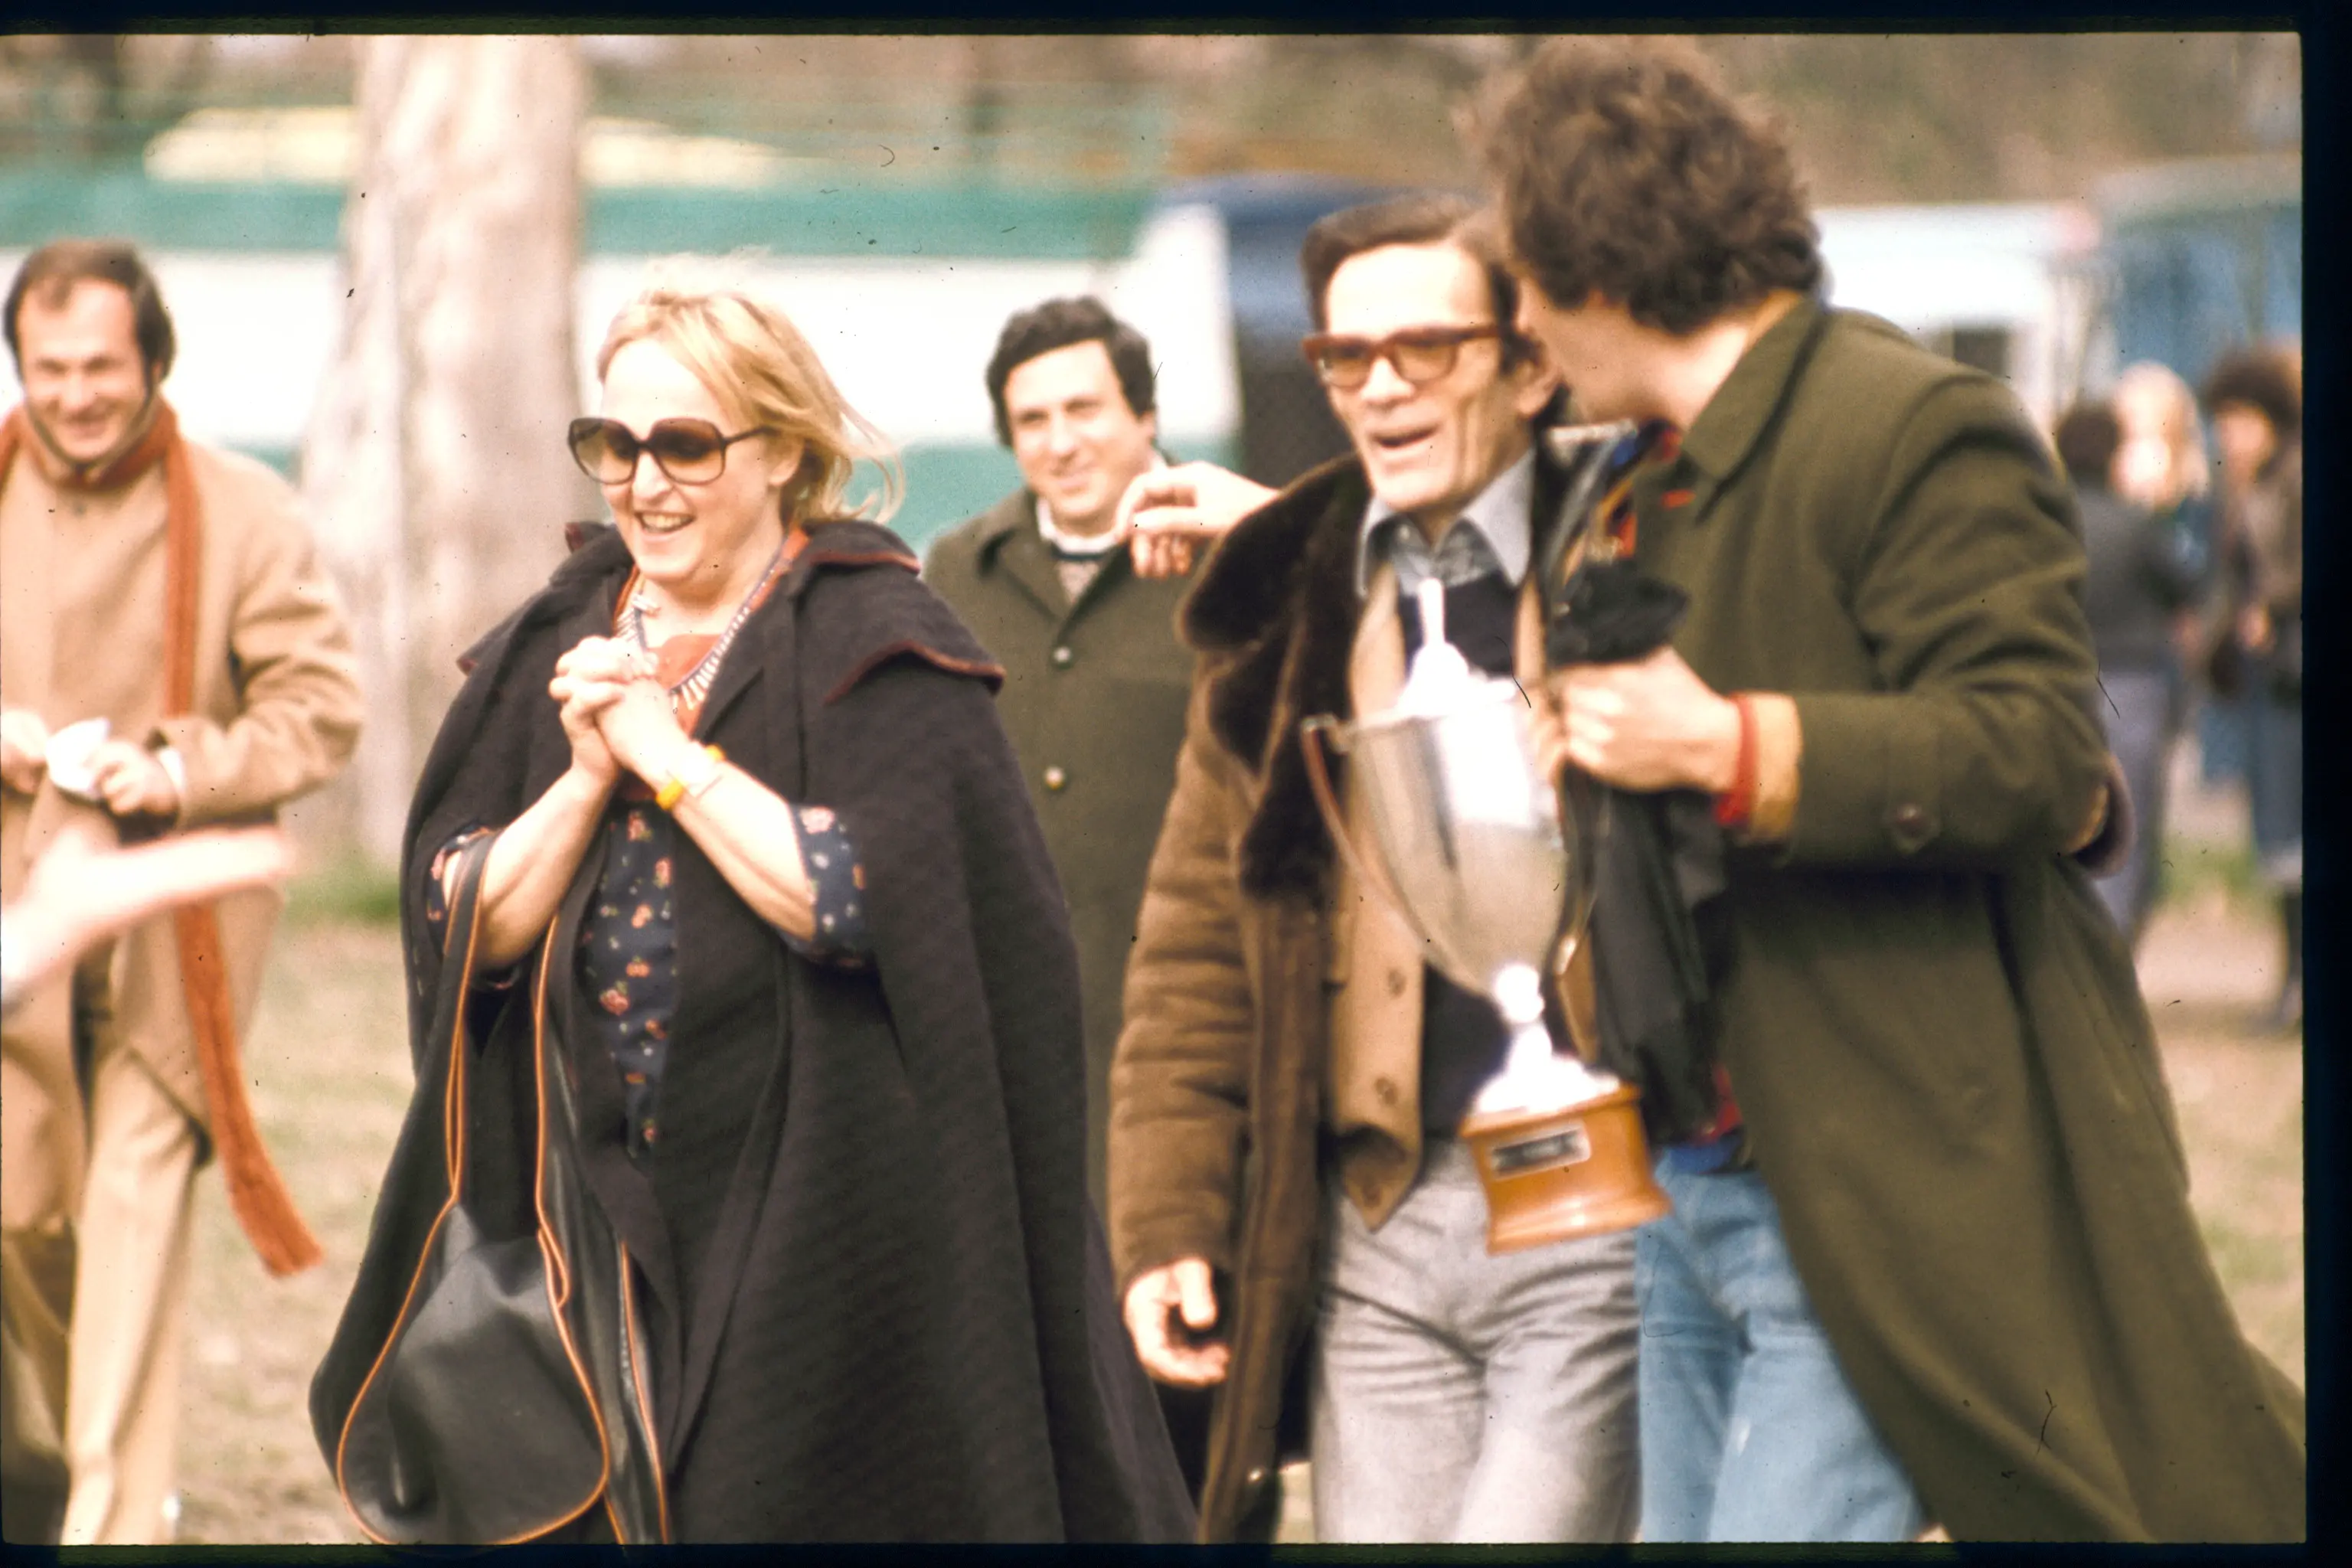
pixel 1315 733
pixel 1584 808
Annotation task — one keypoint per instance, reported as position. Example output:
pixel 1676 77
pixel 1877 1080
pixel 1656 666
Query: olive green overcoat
pixel 1094 701
pixel 1936 1035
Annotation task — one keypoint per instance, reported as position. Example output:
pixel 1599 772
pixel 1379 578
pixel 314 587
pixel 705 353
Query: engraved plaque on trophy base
pixel 1551 1175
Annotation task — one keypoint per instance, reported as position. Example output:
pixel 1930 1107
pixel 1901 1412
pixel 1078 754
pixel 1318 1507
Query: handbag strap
pixel 460 941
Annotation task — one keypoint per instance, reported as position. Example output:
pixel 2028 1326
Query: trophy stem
pixel 1519 997
pixel 1530 1049
pixel 1560 1147
pixel 1533 1074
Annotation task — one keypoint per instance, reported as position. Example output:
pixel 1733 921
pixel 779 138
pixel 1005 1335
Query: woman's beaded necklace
pixel 688 691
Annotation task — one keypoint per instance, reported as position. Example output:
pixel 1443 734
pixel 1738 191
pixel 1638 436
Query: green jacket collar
pixel 1006 517
pixel 1733 421
pixel 1008 542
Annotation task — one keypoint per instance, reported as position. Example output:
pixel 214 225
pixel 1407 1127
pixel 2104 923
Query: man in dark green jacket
pixel 1939 1264
pixel 1094 680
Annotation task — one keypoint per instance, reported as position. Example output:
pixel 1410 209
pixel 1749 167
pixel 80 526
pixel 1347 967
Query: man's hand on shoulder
pixel 1182 1355
pixel 1174 513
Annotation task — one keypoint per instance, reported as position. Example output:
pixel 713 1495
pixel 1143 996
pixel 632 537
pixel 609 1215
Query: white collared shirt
pixel 1063 542
pixel 1077 557
pixel 1498 515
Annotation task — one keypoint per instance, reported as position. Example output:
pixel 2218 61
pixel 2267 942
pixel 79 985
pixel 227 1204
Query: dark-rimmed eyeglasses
pixel 690 451
pixel 1418 354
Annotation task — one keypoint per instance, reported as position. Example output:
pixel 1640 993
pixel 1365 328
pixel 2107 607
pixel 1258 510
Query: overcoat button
pixel 1910 817
pixel 1257 1477
pixel 1386 1088
pixel 1055 778
pixel 1396 982
pixel 1061 657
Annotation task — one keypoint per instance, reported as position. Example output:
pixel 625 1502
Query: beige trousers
pixel 93 1311
pixel 36 1274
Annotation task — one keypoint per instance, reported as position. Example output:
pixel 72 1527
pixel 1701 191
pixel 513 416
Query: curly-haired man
pixel 1942 1266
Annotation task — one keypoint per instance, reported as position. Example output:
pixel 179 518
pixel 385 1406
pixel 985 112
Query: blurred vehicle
pixel 239 208
pixel 2199 257
pixel 2176 262
pixel 1285 422
pixel 2008 288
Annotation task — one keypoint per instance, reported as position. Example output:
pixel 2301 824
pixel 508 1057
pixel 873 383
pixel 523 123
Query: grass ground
pixel 329 1062
pixel 329 1057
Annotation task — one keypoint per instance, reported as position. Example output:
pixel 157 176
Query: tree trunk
pixel 434 467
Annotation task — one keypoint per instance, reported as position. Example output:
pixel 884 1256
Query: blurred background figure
pixel 85 889
pixel 2143 572
pixel 2256 640
pixel 1095 679
pixel 174 654
pixel 2163 465
pixel 82 891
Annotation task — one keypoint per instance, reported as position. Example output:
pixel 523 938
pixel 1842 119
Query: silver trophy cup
pixel 1492 865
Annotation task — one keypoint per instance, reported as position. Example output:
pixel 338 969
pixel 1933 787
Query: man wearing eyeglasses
pixel 1284 1101
pixel 173 659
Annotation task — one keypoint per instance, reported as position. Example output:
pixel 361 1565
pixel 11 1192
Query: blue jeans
pixel 2275 787
pixel 2138 713
pixel 1750 1430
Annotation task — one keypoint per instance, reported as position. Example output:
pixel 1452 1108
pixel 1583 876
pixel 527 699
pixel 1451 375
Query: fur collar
pixel 1274 617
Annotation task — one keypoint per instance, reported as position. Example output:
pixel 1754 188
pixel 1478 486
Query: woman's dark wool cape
pixel 878 1302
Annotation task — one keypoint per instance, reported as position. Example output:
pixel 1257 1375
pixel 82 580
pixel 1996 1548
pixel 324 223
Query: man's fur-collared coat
pixel 1269 998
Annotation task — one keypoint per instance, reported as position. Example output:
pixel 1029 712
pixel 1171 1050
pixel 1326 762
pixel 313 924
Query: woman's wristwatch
pixel 694 776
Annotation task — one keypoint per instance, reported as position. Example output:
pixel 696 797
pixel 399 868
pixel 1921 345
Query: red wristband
pixel 1734 806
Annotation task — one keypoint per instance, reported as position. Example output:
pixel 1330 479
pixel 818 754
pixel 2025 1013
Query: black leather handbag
pixel 504 1403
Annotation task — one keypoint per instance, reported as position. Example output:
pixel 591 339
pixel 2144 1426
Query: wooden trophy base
pixel 1577 1170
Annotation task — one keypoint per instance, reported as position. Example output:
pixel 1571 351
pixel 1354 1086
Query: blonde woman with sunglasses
pixel 762 879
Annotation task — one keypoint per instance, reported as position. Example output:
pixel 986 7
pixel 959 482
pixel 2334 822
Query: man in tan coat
pixel 171 591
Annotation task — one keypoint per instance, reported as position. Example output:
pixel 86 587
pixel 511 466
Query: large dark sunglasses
pixel 690 451
pixel 1420 355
